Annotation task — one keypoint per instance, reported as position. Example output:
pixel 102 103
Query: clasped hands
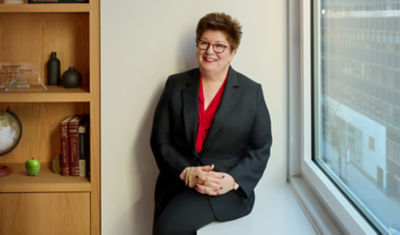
pixel 206 181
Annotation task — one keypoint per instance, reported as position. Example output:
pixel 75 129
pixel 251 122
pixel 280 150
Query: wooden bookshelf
pixel 45 8
pixel 45 181
pixel 52 94
pixel 45 213
pixel 29 33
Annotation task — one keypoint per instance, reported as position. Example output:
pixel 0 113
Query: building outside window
pixel 356 103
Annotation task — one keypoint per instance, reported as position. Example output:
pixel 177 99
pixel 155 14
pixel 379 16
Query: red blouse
pixel 206 116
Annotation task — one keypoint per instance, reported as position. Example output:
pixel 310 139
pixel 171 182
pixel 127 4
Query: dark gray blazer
pixel 238 142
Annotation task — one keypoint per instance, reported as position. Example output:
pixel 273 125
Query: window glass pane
pixel 357 103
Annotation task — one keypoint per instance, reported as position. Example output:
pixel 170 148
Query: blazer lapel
pixel 190 96
pixel 229 99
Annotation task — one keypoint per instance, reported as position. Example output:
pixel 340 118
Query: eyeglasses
pixel 217 47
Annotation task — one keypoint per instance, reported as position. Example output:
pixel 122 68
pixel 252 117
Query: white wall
pixel 142 42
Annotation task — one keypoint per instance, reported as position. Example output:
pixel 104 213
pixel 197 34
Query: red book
pixel 73 140
pixel 63 132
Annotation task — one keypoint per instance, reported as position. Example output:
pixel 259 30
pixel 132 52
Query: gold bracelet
pixel 189 178
pixel 186 177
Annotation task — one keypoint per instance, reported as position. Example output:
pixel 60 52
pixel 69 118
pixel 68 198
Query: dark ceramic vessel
pixel 53 70
pixel 71 78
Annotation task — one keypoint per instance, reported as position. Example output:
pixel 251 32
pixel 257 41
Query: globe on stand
pixel 10 135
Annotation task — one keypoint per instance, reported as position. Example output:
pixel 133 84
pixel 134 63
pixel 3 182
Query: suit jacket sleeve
pixel 169 159
pixel 248 171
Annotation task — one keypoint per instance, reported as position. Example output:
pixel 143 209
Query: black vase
pixel 53 70
pixel 71 78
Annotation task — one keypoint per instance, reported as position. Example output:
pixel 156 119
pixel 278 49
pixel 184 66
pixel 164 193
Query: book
pixel 64 145
pixel 84 147
pixel 73 143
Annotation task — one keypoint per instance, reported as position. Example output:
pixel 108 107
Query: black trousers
pixel 184 215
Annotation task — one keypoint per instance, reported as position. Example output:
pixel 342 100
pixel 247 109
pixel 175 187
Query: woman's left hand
pixel 222 186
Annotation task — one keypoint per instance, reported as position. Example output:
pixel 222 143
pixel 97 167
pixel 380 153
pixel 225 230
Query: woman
pixel 211 136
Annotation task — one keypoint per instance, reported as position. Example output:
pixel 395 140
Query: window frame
pixel 301 127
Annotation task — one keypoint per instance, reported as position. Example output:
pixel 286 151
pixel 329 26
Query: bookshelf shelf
pixel 53 94
pixel 44 8
pixel 45 181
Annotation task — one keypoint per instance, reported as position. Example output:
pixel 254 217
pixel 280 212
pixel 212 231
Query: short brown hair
pixel 223 22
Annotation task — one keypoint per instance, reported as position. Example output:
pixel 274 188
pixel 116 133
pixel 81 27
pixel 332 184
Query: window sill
pixel 316 213
pixel 333 205
pixel 275 208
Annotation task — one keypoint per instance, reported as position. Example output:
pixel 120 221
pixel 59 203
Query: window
pixel 371 144
pixel 356 109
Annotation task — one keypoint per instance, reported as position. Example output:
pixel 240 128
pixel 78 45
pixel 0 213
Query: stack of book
pixel 74 146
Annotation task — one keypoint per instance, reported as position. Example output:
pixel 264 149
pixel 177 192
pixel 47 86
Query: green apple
pixel 32 167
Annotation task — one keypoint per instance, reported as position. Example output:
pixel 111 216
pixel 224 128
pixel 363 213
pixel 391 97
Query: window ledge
pixel 276 211
pixel 313 208
pixel 339 209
